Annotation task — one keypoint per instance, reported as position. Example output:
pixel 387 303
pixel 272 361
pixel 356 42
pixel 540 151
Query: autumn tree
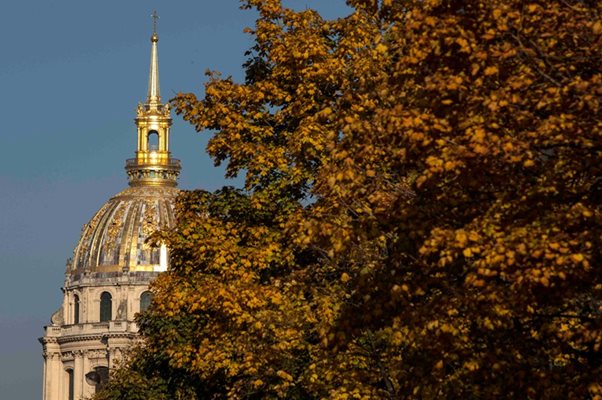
pixel 421 215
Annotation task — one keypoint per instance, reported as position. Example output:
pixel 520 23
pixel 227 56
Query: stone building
pixel 107 278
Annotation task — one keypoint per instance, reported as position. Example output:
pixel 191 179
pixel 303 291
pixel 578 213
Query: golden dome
pixel 114 239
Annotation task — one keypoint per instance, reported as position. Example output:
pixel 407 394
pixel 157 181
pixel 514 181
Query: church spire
pixel 154 93
pixel 153 165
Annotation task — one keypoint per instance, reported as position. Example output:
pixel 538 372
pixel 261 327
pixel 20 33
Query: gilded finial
pixel 155 17
pixel 153 165
pixel 154 96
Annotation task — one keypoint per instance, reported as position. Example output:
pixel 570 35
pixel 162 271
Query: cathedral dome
pixel 107 279
pixel 114 239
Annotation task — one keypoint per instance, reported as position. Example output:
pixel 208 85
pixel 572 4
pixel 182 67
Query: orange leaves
pixel 422 203
pixel 528 163
pixel 491 70
pixel 284 375
pixel 471 365
pixel 434 163
pixel 577 258
pixel 532 7
pixel 381 48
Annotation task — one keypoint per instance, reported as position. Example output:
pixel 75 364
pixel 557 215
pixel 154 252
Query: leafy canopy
pixel 421 215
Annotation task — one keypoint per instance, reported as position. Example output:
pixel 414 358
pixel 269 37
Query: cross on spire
pixel 153 78
pixel 155 17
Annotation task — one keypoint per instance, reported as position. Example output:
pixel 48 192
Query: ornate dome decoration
pixel 114 239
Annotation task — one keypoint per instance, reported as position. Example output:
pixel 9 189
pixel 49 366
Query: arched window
pixel 105 307
pixel 145 300
pixel 70 385
pixel 153 140
pixel 75 309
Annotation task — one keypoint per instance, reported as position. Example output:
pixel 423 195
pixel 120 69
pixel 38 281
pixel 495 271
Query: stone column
pixel 59 377
pixel 52 376
pixel 78 374
pixel 44 377
pixel 88 390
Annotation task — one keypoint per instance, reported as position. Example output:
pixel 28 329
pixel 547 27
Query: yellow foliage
pixel 420 215
pixel 492 69
pixel 284 375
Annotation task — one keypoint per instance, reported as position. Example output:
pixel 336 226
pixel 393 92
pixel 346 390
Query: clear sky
pixel 71 74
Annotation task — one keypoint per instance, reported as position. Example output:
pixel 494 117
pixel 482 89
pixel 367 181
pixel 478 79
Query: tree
pixel 422 214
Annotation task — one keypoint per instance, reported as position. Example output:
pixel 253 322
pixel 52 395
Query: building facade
pixel 107 278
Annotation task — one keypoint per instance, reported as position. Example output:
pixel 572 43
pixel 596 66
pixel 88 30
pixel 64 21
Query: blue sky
pixel 71 74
